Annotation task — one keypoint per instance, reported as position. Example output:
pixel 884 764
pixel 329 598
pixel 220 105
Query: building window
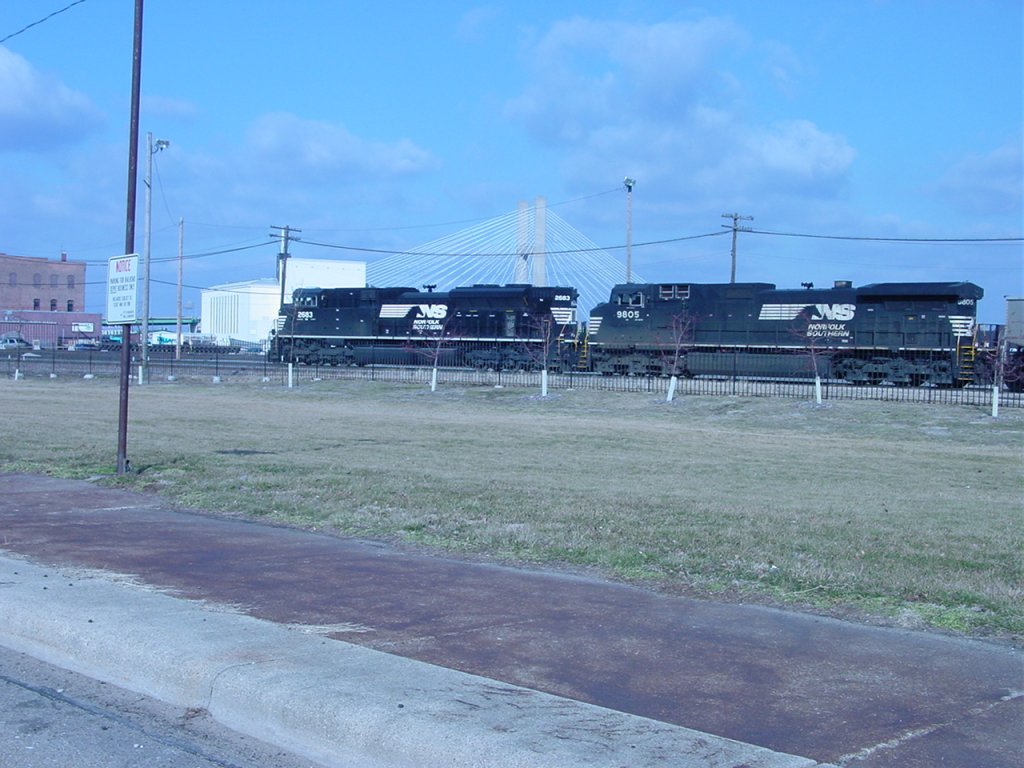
pixel 12 278
pixel 35 303
pixel 71 281
pixel 53 305
pixel 71 305
pixel 37 280
pixel 54 281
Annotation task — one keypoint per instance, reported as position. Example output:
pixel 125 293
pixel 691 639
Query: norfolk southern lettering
pixel 899 333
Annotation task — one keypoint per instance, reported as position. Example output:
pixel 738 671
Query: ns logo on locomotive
pixel 899 333
pixel 520 327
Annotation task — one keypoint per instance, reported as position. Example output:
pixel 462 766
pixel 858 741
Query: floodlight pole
pixel 144 340
pixel 629 228
pixel 129 239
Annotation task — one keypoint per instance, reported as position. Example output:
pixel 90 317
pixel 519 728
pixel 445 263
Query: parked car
pixel 14 342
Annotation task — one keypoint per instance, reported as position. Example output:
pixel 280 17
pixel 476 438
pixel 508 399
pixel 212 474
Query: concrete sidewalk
pixel 356 653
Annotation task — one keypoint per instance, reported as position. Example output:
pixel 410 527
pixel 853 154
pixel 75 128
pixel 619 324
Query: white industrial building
pixel 247 311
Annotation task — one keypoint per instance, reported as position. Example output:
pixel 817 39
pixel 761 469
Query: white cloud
pixel 986 183
pixel 798 153
pixel 37 112
pixel 318 149
pixel 588 73
pixel 656 101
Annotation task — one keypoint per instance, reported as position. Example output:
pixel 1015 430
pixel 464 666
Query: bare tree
pixel 680 336
pixel 431 343
pixel 544 354
pixel 1003 367
pixel 813 346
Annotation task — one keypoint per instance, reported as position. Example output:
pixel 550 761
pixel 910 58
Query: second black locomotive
pixel 901 333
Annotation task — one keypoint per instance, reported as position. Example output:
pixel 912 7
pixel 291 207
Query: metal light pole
pixel 129 239
pixel 629 228
pixel 151 150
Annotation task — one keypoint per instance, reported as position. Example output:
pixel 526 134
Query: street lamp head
pixel 161 144
pixel 629 183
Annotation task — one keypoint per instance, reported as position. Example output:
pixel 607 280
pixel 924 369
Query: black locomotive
pixel 518 327
pixel 898 333
pixel 901 333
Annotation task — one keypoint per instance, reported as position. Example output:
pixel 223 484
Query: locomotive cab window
pixel 669 292
pixel 630 299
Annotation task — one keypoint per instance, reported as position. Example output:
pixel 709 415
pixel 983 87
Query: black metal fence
pixel 226 368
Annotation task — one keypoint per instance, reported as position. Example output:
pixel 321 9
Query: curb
pixel 324 699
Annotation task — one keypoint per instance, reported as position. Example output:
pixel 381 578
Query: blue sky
pixel 387 125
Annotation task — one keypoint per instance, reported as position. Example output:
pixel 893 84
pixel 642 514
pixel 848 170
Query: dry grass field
pixel 895 512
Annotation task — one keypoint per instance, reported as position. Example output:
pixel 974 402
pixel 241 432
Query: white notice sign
pixel 122 283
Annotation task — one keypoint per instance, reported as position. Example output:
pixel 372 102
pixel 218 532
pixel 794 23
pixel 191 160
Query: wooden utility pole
pixel 284 234
pixel 129 239
pixel 181 257
pixel 736 218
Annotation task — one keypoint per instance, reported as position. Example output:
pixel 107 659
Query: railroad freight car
pixel 900 333
pixel 517 327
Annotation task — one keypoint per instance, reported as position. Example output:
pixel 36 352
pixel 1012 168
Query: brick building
pixel 43 300
pixel 33 283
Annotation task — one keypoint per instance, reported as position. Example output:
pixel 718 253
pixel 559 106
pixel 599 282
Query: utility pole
pixel 736 218
pixel 151 150
pixel 628 182
pixel 284 235
pixel 181 259
pixel 129 239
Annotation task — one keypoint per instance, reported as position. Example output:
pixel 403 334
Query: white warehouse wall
pixel 247 311
pixel 244 311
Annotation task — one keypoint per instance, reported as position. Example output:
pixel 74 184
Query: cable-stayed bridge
pixel 528 245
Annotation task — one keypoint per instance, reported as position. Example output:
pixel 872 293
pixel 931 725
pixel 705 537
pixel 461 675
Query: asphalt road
pixel 50 717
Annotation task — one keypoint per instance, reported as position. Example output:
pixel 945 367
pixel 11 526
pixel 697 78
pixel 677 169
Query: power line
pixel 202 255
pixel 37 23
pixel 890 239
pixel 666 241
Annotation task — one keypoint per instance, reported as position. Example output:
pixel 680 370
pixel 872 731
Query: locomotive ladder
pixel 966 347
pixel 583 359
